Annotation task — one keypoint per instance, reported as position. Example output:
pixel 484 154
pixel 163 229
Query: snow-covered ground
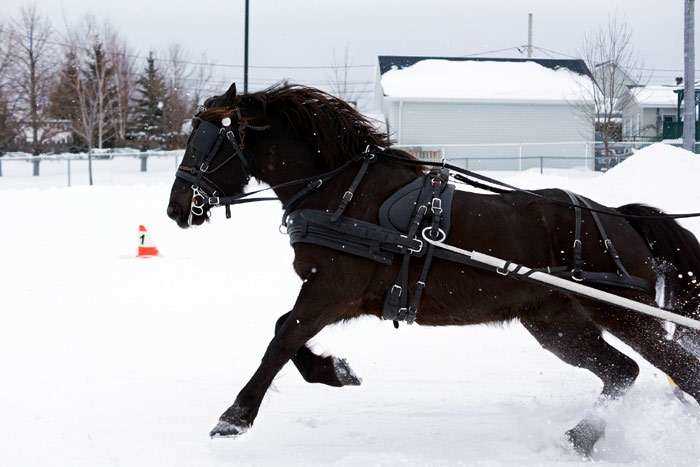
pixel 110 360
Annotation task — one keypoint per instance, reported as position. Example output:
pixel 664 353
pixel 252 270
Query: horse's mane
pixel 335 129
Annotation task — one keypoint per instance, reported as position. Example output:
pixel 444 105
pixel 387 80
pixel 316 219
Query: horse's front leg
pixel 323 369
pixel 306 319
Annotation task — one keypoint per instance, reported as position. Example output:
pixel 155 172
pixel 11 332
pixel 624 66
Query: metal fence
pixel 525 156
pixel 73 169
pixel 142 167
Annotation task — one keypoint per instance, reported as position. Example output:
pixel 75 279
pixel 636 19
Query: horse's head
pixel 215 163
pixel 287 132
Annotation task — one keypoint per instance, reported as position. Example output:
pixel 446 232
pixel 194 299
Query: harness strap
pixel 396 301
pixel 439 183
pixel 622 278
pixel 350 192
pixel 609 247
pixel 578 245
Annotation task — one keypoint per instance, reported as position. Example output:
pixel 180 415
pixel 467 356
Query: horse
pixel 290 133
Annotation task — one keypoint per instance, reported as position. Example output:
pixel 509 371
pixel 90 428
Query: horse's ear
pixel 230 95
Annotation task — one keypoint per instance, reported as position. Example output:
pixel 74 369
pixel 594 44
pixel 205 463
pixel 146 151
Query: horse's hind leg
pixel 648 337
pixel 570 335
pixel 328 369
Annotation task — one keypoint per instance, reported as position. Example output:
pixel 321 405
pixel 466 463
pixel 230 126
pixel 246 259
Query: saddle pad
pixel 397 210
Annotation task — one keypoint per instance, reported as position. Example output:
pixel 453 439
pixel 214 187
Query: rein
pixel 463 176
pixel 206 193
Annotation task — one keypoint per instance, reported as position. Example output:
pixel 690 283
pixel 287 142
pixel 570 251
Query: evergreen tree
pixel 63 100
pixel 9 126
pixel 150 100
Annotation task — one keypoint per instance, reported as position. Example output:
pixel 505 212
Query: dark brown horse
pixel 293 132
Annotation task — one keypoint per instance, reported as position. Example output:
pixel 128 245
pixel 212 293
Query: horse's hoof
pixel 225 429
pixel 584 436
pixel 345 375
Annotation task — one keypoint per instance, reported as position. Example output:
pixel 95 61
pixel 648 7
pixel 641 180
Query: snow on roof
pixel 656 96
pixel 488 80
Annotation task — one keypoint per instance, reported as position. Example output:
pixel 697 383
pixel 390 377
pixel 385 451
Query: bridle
pixel 204 144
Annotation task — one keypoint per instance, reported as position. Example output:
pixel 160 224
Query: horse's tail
pixel 676 253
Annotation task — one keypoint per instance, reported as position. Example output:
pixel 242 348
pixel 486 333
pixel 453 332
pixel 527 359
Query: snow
pixel 656 96
pixel 111 360
pixel 491 80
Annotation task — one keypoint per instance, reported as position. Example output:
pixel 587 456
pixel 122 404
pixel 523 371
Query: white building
pixel 650 107
pixel 499 113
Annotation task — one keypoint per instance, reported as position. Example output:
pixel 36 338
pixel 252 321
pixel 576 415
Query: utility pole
pixel 245 48
pixel 529 35
pixel 689 78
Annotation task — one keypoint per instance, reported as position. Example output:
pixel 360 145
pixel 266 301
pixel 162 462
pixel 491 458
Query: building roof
pixel 485 79
pixel 656 96
pixel 389 62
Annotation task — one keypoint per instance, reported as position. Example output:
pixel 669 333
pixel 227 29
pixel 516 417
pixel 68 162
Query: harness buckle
pixel 577 275
pixel 214 200
pixel 608 243
pixel 204 167
pixel 347 196
pixel 396 288
pixel 412 250
pixel 436 206
pixel 420 246
pixel 578 243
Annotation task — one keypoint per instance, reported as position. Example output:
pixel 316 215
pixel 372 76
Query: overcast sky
pixel 307 32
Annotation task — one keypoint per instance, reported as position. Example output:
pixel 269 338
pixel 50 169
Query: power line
pixel 227 65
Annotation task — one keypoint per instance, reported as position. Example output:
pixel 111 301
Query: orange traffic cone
pixel 146 250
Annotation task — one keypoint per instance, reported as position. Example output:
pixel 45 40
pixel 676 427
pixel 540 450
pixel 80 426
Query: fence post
pixel 541 165
pixel 68 170
pixel 0 166
pixel 520 157
pixel 144 162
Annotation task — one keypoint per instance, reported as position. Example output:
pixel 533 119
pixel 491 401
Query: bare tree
pixel 94 84
pixel 31 58
pixel 199 80
pixel 178 106
pixel 124 77
pixel 610 55
pixel 339 81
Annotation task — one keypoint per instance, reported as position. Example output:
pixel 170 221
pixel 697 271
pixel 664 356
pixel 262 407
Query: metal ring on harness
pixel 197 208
pixel 440 238
pixel 577 275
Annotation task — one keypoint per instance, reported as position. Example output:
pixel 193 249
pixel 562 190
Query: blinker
pixel 204 138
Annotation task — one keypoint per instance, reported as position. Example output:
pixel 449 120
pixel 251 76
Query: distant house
pixel 650 109
pixel 501 113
